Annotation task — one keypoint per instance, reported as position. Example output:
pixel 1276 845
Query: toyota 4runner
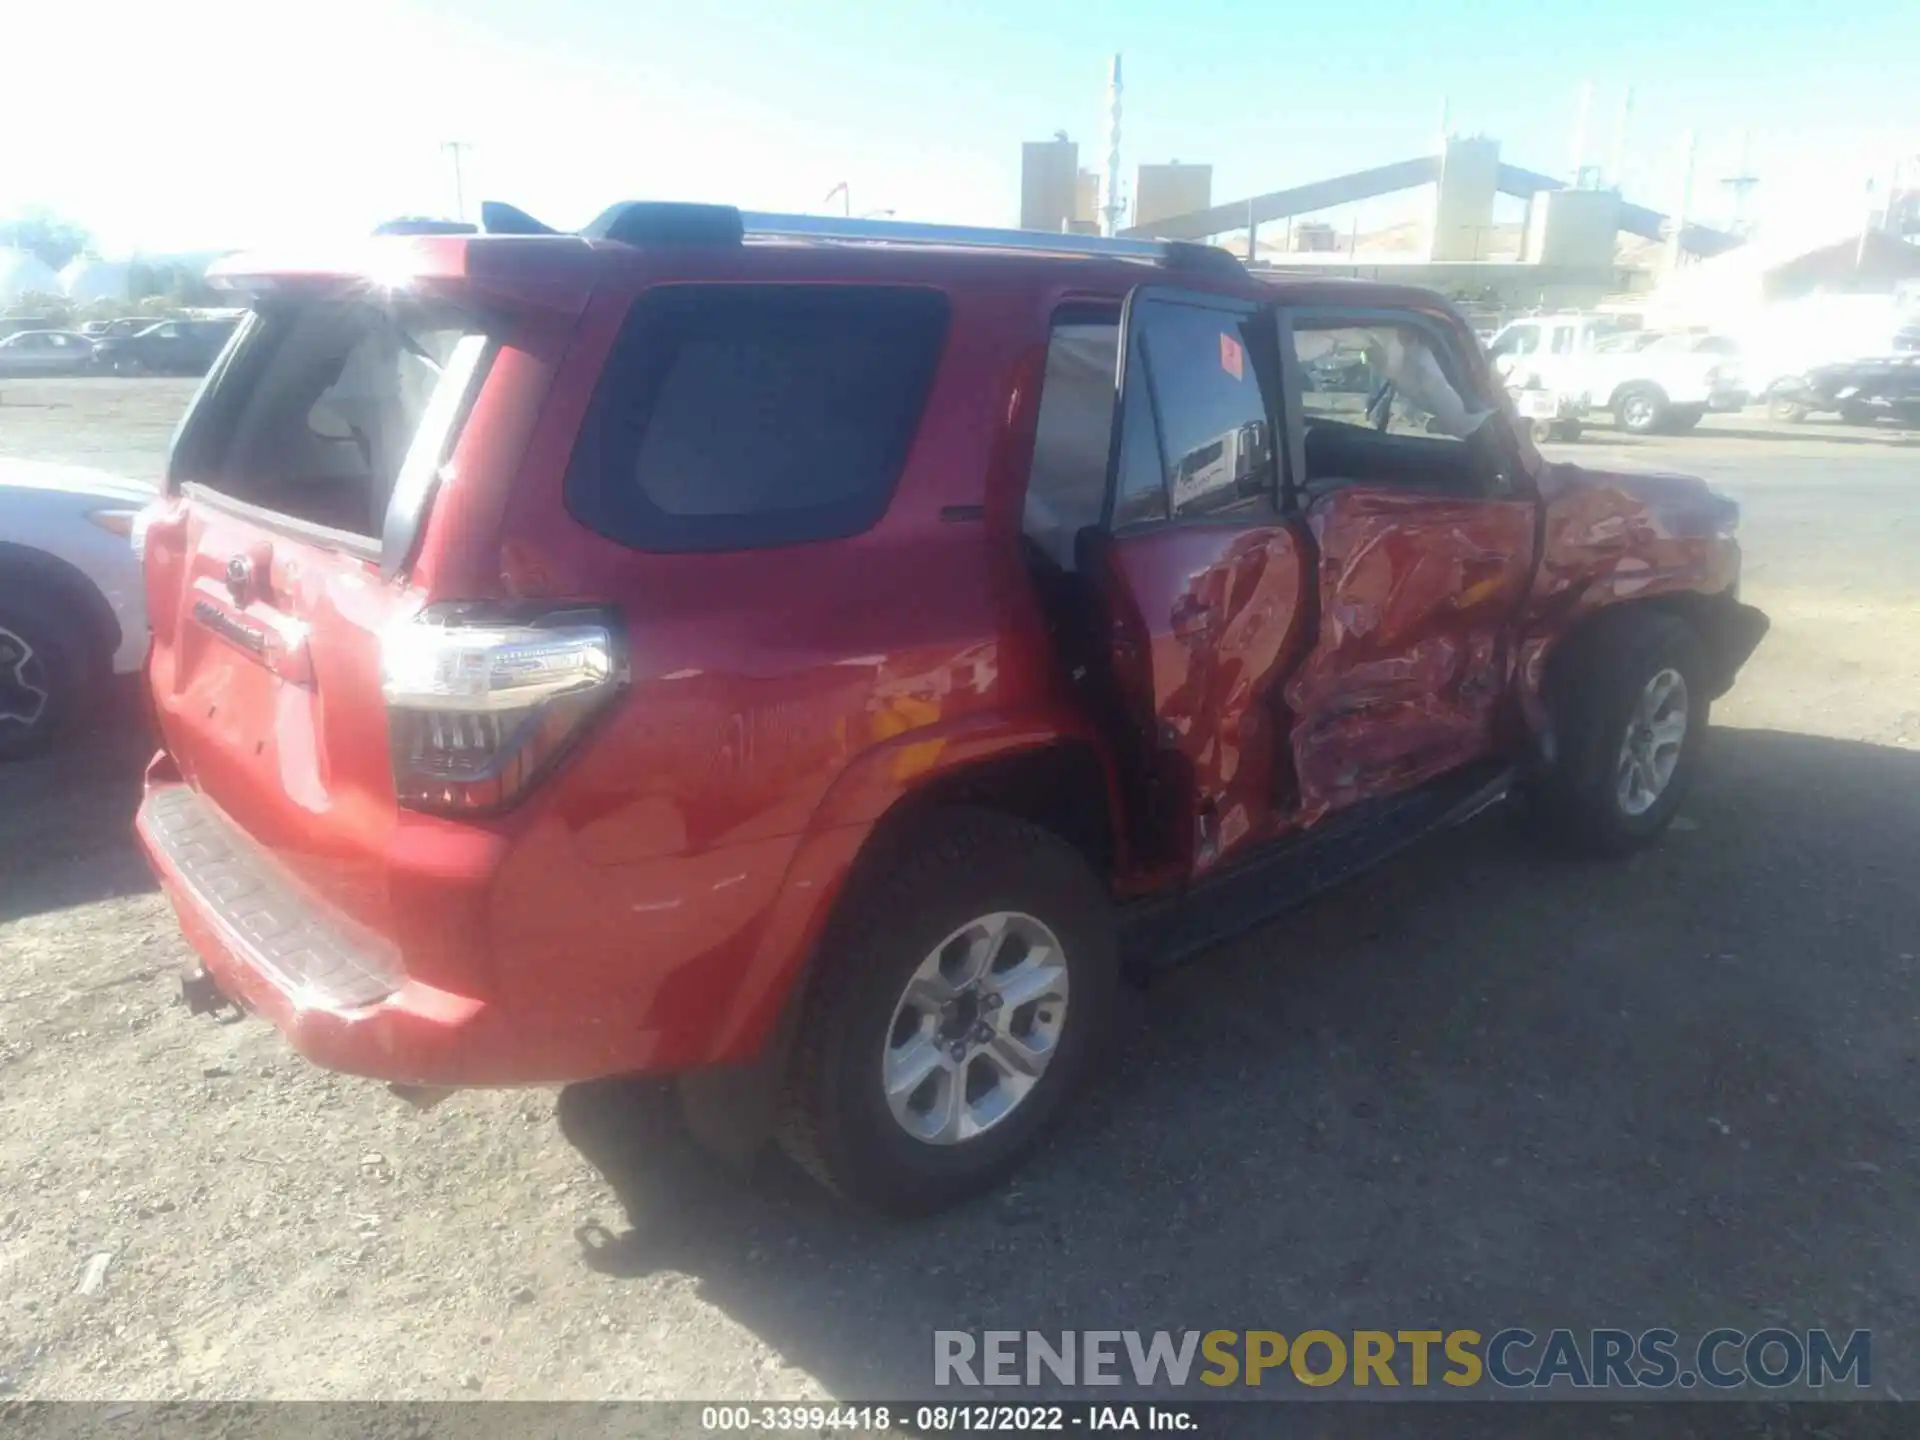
pixel 821 659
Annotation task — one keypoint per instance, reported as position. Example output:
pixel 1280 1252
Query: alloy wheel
pixel 1650 749
pixel 23 682
pixel 977 1026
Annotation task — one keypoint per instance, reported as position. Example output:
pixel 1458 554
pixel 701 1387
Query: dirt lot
pixel 1475 1089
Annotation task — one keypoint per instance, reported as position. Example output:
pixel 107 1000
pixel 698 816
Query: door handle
pixel 1192 618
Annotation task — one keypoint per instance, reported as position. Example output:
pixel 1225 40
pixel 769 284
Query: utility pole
pixel 1617 163
pixel 1740 184
pixel 456 148
pixel 1866 226
pixel 1676 237
pixel 1582 106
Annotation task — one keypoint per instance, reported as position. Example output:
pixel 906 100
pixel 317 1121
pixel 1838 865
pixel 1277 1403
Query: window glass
pixel 321 421
pixel 1363 375
pixel 1140 486
pixel 1213 418
pixel 1067 482
pixel 1563 339
pixel 1384 405
pixel 1519 340
pixel 735 416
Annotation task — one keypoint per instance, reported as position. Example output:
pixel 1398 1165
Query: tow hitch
pixel 202 995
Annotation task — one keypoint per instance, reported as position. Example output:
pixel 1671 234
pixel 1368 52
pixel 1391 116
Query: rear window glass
pixel 736 416
pixel 320 408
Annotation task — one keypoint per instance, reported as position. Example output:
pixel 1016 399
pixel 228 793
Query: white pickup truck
pixel 1651 381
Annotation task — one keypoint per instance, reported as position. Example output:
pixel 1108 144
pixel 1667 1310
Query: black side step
pixel 1163 932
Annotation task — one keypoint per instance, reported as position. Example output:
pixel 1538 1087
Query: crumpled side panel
pixel 1416 591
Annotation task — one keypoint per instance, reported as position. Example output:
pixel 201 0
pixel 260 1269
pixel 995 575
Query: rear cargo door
pixel 298 485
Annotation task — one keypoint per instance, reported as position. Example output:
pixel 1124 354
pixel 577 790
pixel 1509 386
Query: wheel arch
pixel 1628 387
pixel 43 573
pixel 1057 778
pixel 1729 630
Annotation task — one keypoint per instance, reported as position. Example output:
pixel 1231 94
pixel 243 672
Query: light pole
pixel 456 148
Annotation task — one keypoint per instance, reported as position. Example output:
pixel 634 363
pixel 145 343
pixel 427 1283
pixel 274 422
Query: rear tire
pixel 1786 411
pixel 1640 409
pixel 1620 770
pixel 44 672
pixel 850 1097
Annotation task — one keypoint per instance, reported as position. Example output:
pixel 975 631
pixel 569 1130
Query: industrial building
pixel 1579 243
pixel 1056 195
pixel 1162 192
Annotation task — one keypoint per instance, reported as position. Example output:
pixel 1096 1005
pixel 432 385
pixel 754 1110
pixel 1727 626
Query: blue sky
pixel 334 121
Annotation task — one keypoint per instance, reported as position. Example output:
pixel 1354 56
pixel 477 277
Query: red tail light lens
pixel 477 709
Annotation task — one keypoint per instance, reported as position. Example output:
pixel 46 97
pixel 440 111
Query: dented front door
pixel 1423 548
pixel 1417 596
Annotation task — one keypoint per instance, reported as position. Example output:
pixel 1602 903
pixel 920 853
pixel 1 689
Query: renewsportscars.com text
pixel 1513 1358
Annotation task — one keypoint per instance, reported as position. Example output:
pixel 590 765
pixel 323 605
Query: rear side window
pixel 739 416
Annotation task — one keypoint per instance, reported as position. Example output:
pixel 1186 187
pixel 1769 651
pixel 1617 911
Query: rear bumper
pixel 343 998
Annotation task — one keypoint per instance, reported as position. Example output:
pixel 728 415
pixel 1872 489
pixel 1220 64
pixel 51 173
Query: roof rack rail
pixel 640 222
pixel 1176 254
pixel 424 225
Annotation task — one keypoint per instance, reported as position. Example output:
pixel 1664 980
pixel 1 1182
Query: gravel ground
pixel 1476 1088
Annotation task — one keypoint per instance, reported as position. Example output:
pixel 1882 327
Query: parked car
pixel 1782 340
pixel 115 329
pixel 1862 391
pixel 820 687
pixel 172 347
pixel 45 352
pixel 72 607
pixel 1684 341
pixel 1651 385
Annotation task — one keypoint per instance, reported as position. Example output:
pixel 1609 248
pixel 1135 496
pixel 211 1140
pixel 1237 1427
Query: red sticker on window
pixel 1232 357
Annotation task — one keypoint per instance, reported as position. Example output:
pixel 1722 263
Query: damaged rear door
pixel 1198 576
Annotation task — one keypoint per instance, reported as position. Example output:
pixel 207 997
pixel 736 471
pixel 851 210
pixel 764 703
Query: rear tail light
pixel 477 710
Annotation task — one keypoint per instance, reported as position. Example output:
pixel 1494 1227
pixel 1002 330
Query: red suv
pixel 821 659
